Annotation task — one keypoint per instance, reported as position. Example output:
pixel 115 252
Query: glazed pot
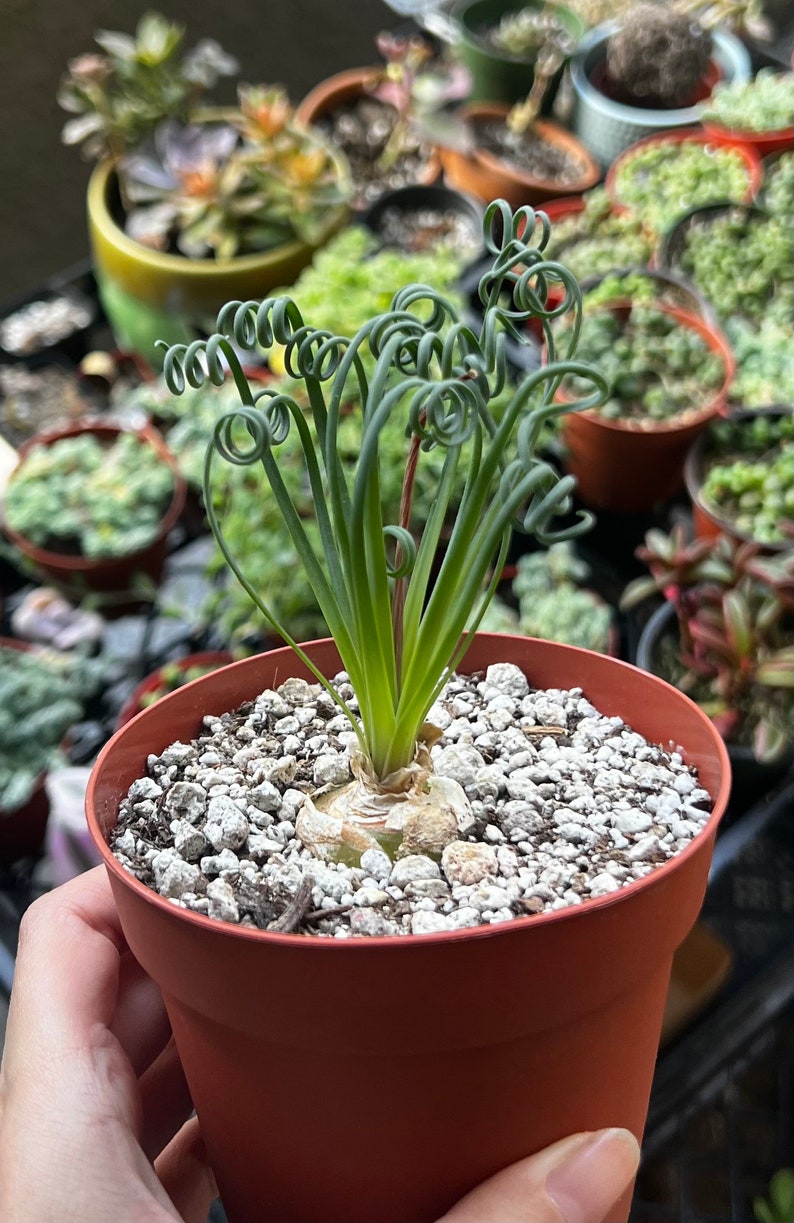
pixel 342 89
pixel 709 524
pixel 628 466
pixel 488 177
pixel 151 295
pixel 112 576
pixel 499 76
pixel 607 127
pixel 450 1055
pixel 751 778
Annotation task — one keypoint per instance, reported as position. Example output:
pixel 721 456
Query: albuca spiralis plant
pixel 401 621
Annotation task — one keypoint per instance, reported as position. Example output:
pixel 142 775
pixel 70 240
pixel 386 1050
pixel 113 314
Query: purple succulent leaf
pixel 188 147
pixel 777 671
pixel 146 177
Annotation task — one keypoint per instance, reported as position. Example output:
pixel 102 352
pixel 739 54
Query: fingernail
pixel 591 1179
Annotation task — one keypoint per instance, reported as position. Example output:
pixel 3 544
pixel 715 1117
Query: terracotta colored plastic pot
pixel 630 467
pixel 77 575
pixel 761 143
pixel 342 89
pixel 707 523
pixel 489 178
pixel 22 830
pixel 209 659
pixel 690 135
pixel 378 1079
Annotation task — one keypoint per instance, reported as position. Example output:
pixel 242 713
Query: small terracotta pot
pixel 688 135
pixel 342 89
pixel 79 575
pixel 626 467
pixel 452 1054
pixel 22 830
pixel 205 658
pixel 489 178
pixel 761 143
pixel 708 524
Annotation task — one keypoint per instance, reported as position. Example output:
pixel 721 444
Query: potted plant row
pixel 267 984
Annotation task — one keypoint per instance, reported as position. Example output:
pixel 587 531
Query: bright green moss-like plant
pixel 401 627
pixel 82 496
pixel 764 104
pixel 665 178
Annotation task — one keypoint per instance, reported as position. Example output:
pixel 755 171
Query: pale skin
pixel 95 1115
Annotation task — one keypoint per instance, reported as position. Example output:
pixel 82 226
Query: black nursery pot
pixel 752 778
pixel 418 198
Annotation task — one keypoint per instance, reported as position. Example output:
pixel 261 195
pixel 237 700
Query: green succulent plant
pixel 400 625
pixel 733 651
pixel 80 495
pixel 597 239
pixel 778 1207
pixel 763 104
pixel 748 476
pixel 778 189
pixel 660 181
pixel 42 693
pixel 764 355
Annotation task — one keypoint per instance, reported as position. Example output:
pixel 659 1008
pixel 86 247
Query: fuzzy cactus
pixel 658 57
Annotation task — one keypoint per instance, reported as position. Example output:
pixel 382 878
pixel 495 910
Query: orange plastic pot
pixel 761 143
pixel 377 1079
pixel 629 466
pixel 78 575
pixel 488 178
pixel 209 659
pixel 688 135
pixel 342 89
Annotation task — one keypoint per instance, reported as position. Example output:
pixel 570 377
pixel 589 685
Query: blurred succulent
pixel 764 104
pixel 526 31
pixel 421 87
pixel 734 652
pixel 119 95
pixel 779 1206
pixel 230 188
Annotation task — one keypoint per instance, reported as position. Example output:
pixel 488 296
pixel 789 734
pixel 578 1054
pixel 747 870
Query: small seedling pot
pixel 460 1051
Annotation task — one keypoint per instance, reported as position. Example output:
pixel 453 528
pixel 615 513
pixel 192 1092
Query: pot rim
pixel 551 133
pixel 355 946
pixel 459 15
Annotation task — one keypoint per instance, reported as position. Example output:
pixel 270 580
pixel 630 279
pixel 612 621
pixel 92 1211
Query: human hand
pixel 94 1109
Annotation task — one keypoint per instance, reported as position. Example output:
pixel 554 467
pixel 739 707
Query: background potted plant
pixel 759 112
pixel 669 372
pixel 647 71
pixel 725 635
pixel 42 694
pixel 91 506
pixel 740 477
pixel 189 205
pixel 597 966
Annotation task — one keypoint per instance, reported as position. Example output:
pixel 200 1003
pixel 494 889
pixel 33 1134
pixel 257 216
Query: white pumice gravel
pixel 565 804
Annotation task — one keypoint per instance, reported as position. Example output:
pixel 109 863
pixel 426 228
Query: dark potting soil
pixel 528 152
pixel 361 129
pixel 423 229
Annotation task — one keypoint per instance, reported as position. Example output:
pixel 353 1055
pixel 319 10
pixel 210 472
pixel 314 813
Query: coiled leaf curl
pixel 399 618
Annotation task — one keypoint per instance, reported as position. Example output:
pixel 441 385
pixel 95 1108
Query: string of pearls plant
pixel 400 616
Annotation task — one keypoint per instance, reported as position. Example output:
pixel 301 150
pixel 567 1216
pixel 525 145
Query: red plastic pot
pixel 211 659
pixel 696 135
pixel 487 177
pixel 377 1079
pixel 627 466
pixel 761 143
pixel 78 575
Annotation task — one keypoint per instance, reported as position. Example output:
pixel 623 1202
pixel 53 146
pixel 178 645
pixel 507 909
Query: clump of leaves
pixel 764 104
pixel 41 695
pixel 779 1206
pixel 81 496
pixel 734 650
pixel 400 625
pixel 526 31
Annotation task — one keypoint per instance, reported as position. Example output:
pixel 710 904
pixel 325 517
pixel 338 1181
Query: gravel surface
pixel 554 803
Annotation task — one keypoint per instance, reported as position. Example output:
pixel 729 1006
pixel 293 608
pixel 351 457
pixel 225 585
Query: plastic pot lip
pixel 693 478
pixel 335 89
pixel 67 563
pixel 549 131
pixel 132 707
pixel 685 135
pixel 717 342
pixel 741 135
pixel 459 14
pixel 639 116
pixel 397 943
pixel 666 251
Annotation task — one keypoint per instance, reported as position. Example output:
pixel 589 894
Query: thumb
pixel 576 1180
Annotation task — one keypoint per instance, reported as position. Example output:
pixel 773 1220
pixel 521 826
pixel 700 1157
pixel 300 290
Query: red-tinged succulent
pixel 735 614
